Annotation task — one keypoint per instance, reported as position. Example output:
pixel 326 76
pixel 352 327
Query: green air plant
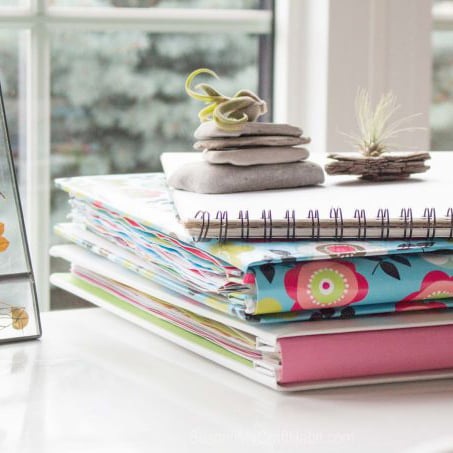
pixel 229 113
pixel 377 128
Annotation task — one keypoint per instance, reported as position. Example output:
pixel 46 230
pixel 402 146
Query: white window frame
pixel 326 49
pixel 443 16
pixel 37 21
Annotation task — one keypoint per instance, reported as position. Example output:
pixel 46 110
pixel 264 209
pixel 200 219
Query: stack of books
pixel 287 312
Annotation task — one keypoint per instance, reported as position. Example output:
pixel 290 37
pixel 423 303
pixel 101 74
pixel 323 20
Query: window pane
pixel 118 99
pixel 442 102
pixel 11 73
pixel 237 4
pixel 9 3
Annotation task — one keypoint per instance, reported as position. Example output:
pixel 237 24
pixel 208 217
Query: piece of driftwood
pixel 385 167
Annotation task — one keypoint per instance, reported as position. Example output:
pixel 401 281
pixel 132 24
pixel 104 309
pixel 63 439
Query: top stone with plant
pixel 240 154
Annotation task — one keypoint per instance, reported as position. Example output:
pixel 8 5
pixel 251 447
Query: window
pixel 442 94
pixel 95 86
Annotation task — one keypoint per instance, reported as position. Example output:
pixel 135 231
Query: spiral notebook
pixel 344 207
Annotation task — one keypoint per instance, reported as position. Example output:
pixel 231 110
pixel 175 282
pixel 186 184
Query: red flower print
pixel 323 284
pixel 419 305
pixel 249 278
pixel 435 285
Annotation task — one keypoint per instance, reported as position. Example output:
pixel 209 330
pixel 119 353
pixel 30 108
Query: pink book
pixel 362 354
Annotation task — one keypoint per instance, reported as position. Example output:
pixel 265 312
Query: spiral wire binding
pixel 430 215
pixel 313 215
pixel 204 225
pixel 384 217
pixel 408 219
pixel 360 215
pixel 223 226
pixel 291 224
pixel 244 216
pixel 337 215
pixel 267 218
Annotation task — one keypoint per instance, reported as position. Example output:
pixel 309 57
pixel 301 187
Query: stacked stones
pixel 255 144
pixel 259 156
pixel 386 167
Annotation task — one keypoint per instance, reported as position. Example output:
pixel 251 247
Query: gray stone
pixel 250 141
pixel 256 156
pixel 202 177
pixel 210 130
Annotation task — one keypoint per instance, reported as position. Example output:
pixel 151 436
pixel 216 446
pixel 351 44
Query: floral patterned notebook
pixel 130 219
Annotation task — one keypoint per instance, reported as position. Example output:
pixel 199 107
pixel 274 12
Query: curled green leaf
pixel 189 80
pixel 205 114
pixel 229 113
pixel 211 92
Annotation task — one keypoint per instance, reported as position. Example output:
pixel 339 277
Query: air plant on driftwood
pixel 377 129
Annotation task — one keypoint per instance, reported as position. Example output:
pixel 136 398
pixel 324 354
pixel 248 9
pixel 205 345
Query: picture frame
pixel 19 310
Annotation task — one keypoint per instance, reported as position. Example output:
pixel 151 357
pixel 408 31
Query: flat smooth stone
pixel 202 177
pixel 210 130
pixel 250 141
pixel 256 156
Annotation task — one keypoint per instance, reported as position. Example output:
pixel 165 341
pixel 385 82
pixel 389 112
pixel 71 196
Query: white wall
pixel 327 49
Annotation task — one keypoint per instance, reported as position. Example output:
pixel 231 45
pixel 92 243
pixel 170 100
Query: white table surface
pixel 95 383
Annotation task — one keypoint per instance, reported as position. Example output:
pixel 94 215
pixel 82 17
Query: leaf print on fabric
pixel 390 269
pixel 324 313
pixel 416 245
pixel 384 263
pixel 332 283
pixel 268 271
pixel 435 285
pixel 347 313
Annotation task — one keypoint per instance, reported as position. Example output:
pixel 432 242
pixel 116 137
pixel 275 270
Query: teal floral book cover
pixel 130 220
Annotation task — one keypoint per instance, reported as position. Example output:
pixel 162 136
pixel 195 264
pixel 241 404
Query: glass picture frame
pixel 19 311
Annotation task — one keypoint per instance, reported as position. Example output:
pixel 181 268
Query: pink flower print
pixel 322 284
pixel 341 250
pixel 435 285
pixel 419 305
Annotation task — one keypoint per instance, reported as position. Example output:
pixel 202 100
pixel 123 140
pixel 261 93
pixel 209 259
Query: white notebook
pixel 343 207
